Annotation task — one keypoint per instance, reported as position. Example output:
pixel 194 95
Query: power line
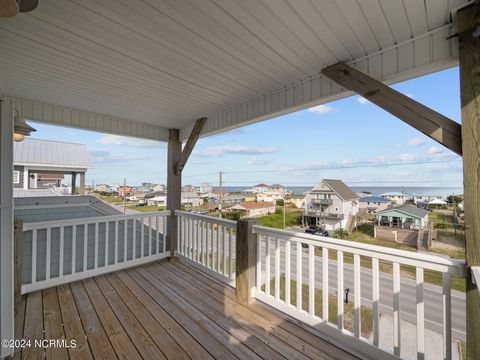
pixel 335 167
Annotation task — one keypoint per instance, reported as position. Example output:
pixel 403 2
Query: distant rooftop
pixel 374 199
pixel 408 209
pixel 393 193
pixel 47 153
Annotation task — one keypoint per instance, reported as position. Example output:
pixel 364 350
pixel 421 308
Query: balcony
pixel 323 215
pixel 103 283
pixel 322 201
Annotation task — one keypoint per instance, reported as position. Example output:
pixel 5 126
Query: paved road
pixel 432 294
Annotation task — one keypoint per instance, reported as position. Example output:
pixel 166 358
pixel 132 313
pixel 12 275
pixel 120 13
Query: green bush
pixel 340 234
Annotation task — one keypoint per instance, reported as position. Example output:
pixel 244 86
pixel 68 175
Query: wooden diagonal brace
pixel 433 124
pixel 192 140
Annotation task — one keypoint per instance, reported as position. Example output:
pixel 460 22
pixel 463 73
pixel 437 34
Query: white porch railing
pixel 277 250
pixel 207 241
pixel 58 252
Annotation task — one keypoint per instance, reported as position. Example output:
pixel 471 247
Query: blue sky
pixel 349 139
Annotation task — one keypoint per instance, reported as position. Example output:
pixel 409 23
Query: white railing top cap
pixel 91 220
pixel 206 218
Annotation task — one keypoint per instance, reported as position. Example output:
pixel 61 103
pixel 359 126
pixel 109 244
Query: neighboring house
pixel 398 198
pixel 158 187
pixel 260 188
pixel 404 216
pixel 206 188
pixel 156 198
pixel 188 188
pixel 124 191
pixel 371 204
pixel 296 200
pixel 425 199
pixel 277 188
pixel 270 196
pixel 254 209
pixel 250 197
pixel 103 188
pixel 191 199
pixel 226 200
pixel 43 163
pixel 331 205
pixel 407 224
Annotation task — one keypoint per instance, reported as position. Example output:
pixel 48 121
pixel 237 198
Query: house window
pixel 16 177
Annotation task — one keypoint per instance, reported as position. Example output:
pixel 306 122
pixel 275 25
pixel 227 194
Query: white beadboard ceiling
pixel 139 67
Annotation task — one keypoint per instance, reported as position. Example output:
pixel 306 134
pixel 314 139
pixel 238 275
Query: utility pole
pixel 124 193
pixel 220 197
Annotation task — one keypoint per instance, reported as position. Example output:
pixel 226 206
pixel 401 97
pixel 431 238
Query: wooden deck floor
pixel 161 311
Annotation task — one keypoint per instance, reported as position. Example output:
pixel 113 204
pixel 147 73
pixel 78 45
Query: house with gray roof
pixel 332 205
pixel 41 165
pixel 404 216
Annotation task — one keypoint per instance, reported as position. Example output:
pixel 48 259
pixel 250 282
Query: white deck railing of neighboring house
pixel 208 242
pixel 286 257
pixel 58 252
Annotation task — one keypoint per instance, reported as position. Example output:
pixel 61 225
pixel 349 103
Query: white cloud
pixel 321 109
pixel 128 141
pixel 415 142
pixel 362 100
pixel 407 157
pixel 216 151
pixel 107 157
pixel 259 161
pixel 434 150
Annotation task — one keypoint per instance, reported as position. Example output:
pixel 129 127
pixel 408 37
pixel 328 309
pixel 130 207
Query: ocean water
pixel 375 190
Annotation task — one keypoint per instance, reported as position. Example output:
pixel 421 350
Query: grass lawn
pixel 364 234
pixel 146 208
pixel 349 324
pixel 293 217
pixel 444 216
pixel 113 199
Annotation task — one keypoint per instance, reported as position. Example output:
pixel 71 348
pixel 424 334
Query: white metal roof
pixel 139 67
pixel 51 154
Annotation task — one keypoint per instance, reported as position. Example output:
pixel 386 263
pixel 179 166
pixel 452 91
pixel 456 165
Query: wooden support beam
pixel 469 57
pixel 246 253
pixel 433 124
pixel 192 140
pixel 174 188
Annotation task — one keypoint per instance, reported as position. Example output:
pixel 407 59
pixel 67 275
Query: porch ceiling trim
pixel 430 52
pixel 65 116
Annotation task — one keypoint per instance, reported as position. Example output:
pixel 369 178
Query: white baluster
pixel 325 284
pixel 340 310
pixel 311 280
pixel 287 272
pixel 420 315
pixel 357 295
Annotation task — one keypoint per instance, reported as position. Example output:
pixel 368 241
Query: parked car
pixel 312 229
pixel 321 233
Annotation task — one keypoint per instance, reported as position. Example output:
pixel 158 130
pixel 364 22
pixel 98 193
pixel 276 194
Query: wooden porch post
pixel 174 185
pixel 82 183
pixel 469 56
pixel 6 224
pixel 74 183
pixel 246 251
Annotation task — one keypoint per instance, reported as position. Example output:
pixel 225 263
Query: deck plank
pixel 33 329
pixel 163 310
pixel 193 349
pixel 20 308
pixel 72 325
pixel 284 342
pixel 142 340
pixel 97 338
pixel 302 331
pixel 162 338
pixel 123 346
pixel 52 322
pixel 261 343
pixel 209 342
